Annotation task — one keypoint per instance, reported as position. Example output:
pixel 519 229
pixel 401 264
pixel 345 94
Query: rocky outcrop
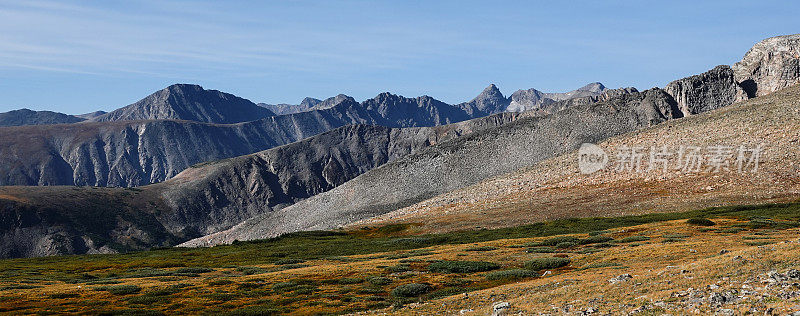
pixel 457 163
pixel 191 103
pixel 708 91
pixel 770 65
pixel 28 117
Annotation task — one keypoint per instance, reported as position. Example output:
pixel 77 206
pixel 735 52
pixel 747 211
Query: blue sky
pixel 81 56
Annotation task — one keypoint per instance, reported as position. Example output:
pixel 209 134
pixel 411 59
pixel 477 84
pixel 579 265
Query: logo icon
pixel 591 158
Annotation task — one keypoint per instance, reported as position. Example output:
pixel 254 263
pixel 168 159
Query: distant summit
pixel 308 104
pixel 29 117
pixel 489 101
pixel 192 103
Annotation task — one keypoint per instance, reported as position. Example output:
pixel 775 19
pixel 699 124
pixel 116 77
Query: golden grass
pixel 656 265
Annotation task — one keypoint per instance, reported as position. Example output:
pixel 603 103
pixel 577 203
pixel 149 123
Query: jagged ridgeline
pixel 344 174
pixel 159 136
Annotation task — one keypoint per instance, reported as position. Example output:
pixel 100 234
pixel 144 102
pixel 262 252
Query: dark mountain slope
pixel 28 117
pixel 191 103
pixel 132 153
pixel 206 198
pixel 458 163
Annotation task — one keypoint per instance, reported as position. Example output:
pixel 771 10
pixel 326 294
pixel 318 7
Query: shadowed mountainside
pixel 191 103
pixel 28 117
pixel 457 163
pixel 132 153
pixel 38 221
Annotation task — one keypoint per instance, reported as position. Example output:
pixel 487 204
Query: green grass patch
pixel 537 264
pixel 411 290
pixel 481 248
pixel 462 266
pixel 595 240
pixel 543 249
pixel 555 241
pixel 513 274
pixel 700 222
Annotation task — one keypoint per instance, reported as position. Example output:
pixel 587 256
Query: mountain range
pixel 161 135
pixel 328 164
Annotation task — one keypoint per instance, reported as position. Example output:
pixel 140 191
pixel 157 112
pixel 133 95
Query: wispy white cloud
pixel 158 35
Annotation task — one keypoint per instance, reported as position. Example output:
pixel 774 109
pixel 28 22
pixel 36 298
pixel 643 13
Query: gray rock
pixel 621 278
pixel 770 65
pixel 708 91
pixel 500 308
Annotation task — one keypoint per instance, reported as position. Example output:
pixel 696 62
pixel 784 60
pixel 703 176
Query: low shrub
pixel 541 250
pixel 595 240
pixel 147 300
pixel 632 239
pixel 64 295
pixel 349 280
pixel 546 263
pixel 124 289
pixel 293 266
pixel 284 286
pixel 411 290
pixel 379 280
pixel 289 261
pixel 555 241
pixel 403 267
pixel 220 282
pixel 462 266
pixel 481 248
pixel 193 270
pixel 255 310
pixel 566 244
pixel 252 270
pixel 514 274
pixel 732 230
pixel 700 222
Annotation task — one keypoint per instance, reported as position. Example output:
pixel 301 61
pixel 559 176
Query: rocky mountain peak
pixel 769 65
pixel 309 102
pixel 595 87
pixel 332 101
pixel 192 103
pixel 490 93
pixel 489 101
